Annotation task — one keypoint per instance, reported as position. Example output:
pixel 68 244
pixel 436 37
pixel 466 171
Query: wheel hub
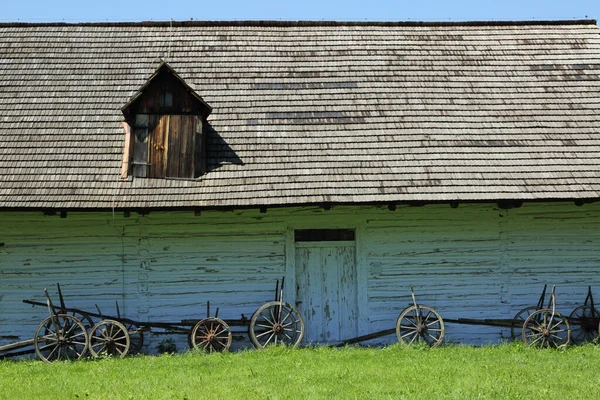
pixel 546 332
pixel 277 327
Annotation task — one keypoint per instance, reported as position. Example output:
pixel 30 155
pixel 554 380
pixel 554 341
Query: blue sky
pixel 348 10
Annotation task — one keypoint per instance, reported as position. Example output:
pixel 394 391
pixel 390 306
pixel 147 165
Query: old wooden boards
pixel 167 145
pixel 165 264
pixel 326 289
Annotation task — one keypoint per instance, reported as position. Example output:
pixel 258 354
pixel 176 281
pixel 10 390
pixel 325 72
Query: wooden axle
pixel 16 345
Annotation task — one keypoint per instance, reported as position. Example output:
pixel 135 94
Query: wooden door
pixel 180 156
pixel 171 146
pixel 326 290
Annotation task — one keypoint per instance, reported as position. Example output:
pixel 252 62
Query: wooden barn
pixel 164 165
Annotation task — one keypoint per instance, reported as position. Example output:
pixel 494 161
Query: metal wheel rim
pixel 275 323
pixel 544 329
pixel 109 338
pixel 60 337
pixel 211 335
pixel 430 330
pixel 516 329
pixel 583 321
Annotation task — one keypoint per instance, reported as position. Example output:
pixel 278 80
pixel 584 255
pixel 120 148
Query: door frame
pixel 363 320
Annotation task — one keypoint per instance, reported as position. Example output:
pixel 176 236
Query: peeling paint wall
pixel 475 261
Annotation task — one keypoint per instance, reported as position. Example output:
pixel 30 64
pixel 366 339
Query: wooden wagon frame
pixel 539 326
pixel 70 333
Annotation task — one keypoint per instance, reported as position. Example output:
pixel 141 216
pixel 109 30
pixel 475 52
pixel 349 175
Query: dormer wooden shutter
pixel 167 146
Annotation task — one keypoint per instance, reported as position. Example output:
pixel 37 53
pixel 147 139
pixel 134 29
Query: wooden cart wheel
pixel 109 338
pixel 85 319
pixel 136 338
pixel 276 322
pixel 60 337
pixel 420 324
pixel 583 324
pixel 546 329
pixel 211 335
pixel 516 329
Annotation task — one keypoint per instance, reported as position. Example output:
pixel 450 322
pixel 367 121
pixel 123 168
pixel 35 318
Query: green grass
pixel 510 371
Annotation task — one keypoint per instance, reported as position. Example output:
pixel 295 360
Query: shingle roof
pixel 308 112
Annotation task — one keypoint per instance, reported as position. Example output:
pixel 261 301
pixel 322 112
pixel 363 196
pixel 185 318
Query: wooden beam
pixel 363 338
pixel 127 150
pixel 509 204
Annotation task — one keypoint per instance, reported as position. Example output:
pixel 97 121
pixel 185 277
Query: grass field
pixel 509 371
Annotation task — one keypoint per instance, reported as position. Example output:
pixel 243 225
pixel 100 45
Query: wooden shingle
pixel 305 113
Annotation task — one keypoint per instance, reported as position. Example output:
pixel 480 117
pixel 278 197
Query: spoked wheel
pixel 545 329
pixel 276 322
pixel 60 337
pixel 420 324
pixel 85 319
pixel 136 338
pixel 583 322
pixel 211 335
pixel 516 329
pixel 109 338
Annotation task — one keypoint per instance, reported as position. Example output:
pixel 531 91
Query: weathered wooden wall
pixel 161 267
pixel 475 261
pixel 481 262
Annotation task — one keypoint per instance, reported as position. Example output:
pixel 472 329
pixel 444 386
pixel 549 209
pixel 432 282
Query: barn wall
pixel 84 254
pixel 481 262
pixel 475 261
pixel 160 267
pixel 450 256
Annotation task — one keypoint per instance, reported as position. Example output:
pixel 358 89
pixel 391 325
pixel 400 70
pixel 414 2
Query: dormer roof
pixel 163 70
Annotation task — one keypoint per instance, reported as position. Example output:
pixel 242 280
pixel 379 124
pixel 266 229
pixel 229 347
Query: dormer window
pixel 166 99
pixel 166 123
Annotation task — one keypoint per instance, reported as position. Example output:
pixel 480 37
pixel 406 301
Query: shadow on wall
pixel 218 151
